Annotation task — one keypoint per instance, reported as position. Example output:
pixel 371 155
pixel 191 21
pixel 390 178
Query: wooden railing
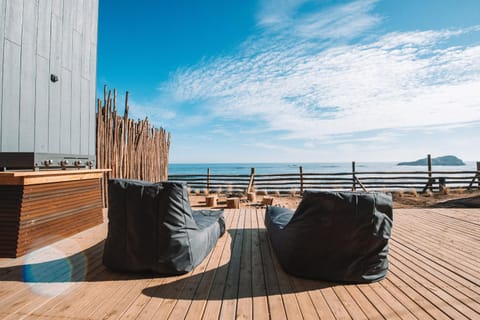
pixel 354 180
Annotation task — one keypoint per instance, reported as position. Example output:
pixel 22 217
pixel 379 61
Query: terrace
pixel 434 274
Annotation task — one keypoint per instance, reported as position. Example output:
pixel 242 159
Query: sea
pixel 313 167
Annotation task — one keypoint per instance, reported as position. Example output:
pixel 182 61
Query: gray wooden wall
pixel 39 38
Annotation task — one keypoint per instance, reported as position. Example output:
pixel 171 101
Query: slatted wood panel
pixel 32 216
pixel 37 39
pixel 434 274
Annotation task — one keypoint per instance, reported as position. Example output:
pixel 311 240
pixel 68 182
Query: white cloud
pixel 277 12
pixel 317 90
pixel 345 21
pixel 155 113
pixel 341 21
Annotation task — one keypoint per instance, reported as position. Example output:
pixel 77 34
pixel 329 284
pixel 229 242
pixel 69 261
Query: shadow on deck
pixel 434 274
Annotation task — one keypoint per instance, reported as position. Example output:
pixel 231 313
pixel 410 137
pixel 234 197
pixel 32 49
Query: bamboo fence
pixel 131 149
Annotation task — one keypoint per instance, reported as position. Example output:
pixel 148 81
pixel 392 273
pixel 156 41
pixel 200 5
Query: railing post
pixel 478 175
pixel 429 163
pixel 208 180
pixel 354 180
pixel 252 180
pixel 301 180
pixel 429 184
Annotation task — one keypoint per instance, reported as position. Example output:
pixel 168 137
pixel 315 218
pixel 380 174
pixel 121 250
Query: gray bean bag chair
pixel 152 228
pixel 333 236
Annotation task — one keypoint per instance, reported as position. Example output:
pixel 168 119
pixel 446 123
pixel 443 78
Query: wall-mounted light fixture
pixel 53 77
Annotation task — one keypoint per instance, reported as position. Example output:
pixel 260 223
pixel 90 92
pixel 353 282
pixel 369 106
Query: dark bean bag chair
pixel 333 236
pixel 152 228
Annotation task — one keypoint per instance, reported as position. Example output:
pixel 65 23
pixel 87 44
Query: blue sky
pixel 299 80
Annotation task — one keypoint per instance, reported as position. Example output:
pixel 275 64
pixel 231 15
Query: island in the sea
pixel 439 161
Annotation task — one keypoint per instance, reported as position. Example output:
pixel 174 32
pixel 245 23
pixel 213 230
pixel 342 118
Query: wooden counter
pixel 41 207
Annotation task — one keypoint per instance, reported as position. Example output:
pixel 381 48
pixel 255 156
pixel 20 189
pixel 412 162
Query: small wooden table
pixel 40 207
pixel 233 203
pixel 211 200
pixel 267 201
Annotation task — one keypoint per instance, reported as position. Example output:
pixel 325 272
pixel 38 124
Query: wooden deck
pixel 434 274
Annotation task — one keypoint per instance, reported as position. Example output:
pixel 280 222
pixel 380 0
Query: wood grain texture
pixel 40 214
pixel 13 21
pixel 3 4
pixel 241 278
pixel 41 105
pixel 54 117
pixel 28 76
pixel 11 97
pixel 37 39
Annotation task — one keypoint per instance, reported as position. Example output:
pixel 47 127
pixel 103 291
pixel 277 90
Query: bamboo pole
pixel 131 149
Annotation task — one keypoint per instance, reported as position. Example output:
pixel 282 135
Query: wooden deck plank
pixel 406 301
pixel 434 266
pixel 432 224
pixel 448 256
pixel 455 237
pixel 444 248
pixel 434 274
pixel 349 303
pixel 260 303
pixel 335 304
pixel 214 302
pixel 245 299
pixel 230 294
pixel 426 292
pixel 385 308
pixel 198 304
pixel 431 227
pixel 402 311
pixel 368 309
pixel 197 280
pixel 41 298
pixel 440 276
pixel 443 290
pixel 274 297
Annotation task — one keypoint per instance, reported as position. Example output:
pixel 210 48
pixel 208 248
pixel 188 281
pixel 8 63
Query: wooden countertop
pixel 48 176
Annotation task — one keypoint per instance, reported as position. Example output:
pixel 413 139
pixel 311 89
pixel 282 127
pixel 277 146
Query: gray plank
pixel 85 58
pixel 86 39
pixel 76 91
pixel 94 22
pixel 86 105
pixel 27 77
pixel 13 20
pixel 41 104
pixel 93 99
pixel 3 4
pixel 78 15
pixel 44 24
pixel 54 87
pixel 66 111
pixel 11 97
pixel 67 27
pixel 57 7
pixel 93 76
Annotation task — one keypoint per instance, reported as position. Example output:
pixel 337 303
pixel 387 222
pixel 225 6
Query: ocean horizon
pixel 311 167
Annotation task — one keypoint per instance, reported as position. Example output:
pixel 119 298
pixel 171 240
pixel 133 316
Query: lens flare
pixel 51 271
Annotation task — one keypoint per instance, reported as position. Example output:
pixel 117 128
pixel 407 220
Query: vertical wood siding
pixel 38 39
